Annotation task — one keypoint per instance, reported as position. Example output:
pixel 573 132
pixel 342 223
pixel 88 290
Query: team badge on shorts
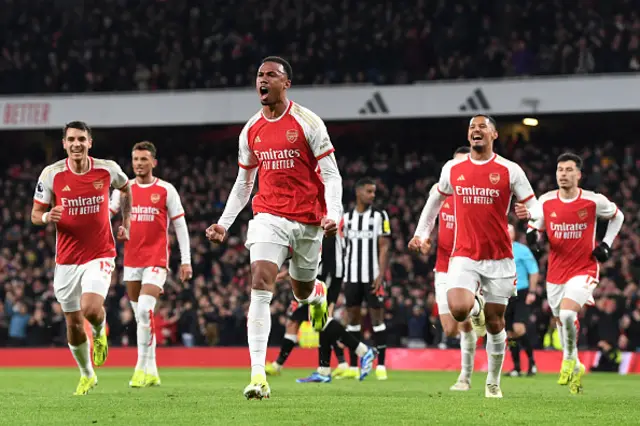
pixel 292 135
pixel 494 178
pixel 98 184
pixel 155 198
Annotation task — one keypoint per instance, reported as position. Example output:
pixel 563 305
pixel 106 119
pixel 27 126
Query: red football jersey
pixel 482 194
pixel 286 151
pixel 84 232
pixel 154 205
pixel 446 234
pixel 571 230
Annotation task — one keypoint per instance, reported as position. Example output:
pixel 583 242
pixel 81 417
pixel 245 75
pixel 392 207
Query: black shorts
pixel 300 312
pixel 517 310
pixel 356 293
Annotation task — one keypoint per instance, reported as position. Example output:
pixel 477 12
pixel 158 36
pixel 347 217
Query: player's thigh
pixel 154 275
pixel 269 232
pixel 441 293
pixel 353 294
pixel 67 287
pixel 462 274
pixel 96 277
pixel 307 248
pixel 375 300
pixel 555 294
pixel 580 289
pixel 498 280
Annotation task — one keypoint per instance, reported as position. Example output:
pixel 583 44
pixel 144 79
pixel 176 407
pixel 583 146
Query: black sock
pixel 336 332
pixel 353 357
pixel 339 352
pixel 380 338
pixel 285 350
pixel 514 347
pixel 525 342
pixel 324 351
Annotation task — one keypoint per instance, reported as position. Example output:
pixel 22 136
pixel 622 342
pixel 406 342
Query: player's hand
pixel 123 233
pixel 419 246
pixel 602 252
pixel 216 233
pixel 186 272
pixel 55 214
pixel 377 283
pixel 330 227
pixel 531 297
pixel 522 212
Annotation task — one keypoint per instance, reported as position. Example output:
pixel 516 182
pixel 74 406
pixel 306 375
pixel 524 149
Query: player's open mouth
pixel 477 137
pixel 264 92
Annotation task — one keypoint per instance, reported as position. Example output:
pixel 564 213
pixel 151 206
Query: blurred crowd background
pixel 67 46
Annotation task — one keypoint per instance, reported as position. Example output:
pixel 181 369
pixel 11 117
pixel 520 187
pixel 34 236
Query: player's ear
pixel 154 162
pixel 90 142
pixel 287 84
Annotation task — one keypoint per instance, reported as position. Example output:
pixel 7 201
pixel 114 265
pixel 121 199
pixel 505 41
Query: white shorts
pixel 70 282
pixel 269 238
pixel 155 275
pixel 441 292
pixel 579 289
pixel 494 279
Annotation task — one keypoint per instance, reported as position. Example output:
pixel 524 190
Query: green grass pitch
pixel 214 396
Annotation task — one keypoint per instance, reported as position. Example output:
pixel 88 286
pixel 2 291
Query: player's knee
pixel 93 313
pixel 518 330
pixel 450 329
pixel 459 313
pixel 262 278
pixel 495 324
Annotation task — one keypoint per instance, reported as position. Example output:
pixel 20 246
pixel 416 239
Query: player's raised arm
pixel 241 191
pixel 606 209
pixel 176 214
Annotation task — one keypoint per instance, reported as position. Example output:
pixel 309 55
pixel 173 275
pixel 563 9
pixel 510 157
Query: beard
pixel 478 148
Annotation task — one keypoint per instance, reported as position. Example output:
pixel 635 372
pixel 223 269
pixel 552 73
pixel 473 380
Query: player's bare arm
pixel 383 260
pixel 126 206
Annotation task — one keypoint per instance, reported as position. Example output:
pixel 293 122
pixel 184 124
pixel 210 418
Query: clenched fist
pixel 522 212
pixel 419 246
pixel 216 233
pixel 330 227
pixel 55 214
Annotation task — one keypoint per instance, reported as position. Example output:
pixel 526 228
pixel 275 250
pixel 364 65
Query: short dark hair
pixel 146 146
pixel 465 149
pixel 570 156
pixel 285 64
pixel 79 125
pixel 488 117
pixel 364 181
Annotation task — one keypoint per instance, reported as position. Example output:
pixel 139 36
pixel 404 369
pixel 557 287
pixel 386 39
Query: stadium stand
pixel 69 46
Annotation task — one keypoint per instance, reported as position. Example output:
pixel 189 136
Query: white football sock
pixel 325 371
pixel 317 296
pixel 258 329
pixel 146 338
pixel 82 357
pixel 361 349
pixel 100 328
pixel 468 343
pixel 496 345
pixel 569 321
pixel 134 307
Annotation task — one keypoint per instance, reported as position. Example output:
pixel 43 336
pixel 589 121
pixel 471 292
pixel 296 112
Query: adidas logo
pixel 460 178
pixel 257 139
pixel 66 188
pixel 476 101
pixel 446 205
pixel 553 214
pixel 375 105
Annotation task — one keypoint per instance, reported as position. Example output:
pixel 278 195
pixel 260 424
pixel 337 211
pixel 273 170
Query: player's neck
pixel 481 156
pixel 276 110
pixel 79 166
pixel 569 194
pixel 360 208
pixel 145 180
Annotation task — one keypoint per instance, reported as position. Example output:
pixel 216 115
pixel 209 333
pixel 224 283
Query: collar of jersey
pixel 146 185
pixel 273 120
pixel 482 163
pixel 66 163
pixel 564 200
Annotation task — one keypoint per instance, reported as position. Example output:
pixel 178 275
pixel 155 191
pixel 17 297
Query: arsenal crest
pixel 292 135
pixel 494 178
pixel 98 184
pixel 582 213
pixel 155 198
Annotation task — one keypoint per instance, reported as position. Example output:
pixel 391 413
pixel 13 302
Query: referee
pixel 367 231
pixel 518 310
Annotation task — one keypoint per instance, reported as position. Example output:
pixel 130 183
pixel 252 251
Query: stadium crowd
pixel 211 308
pixel 91 46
